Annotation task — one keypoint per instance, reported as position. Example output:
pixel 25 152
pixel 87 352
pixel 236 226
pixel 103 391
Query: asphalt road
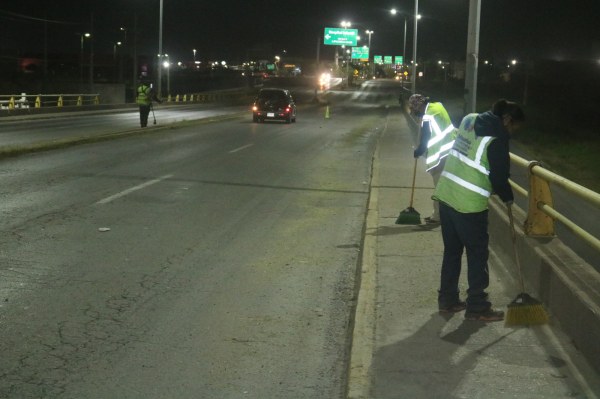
pixel 210 260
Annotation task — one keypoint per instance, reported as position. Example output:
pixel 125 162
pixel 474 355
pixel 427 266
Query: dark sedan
pixel 274 104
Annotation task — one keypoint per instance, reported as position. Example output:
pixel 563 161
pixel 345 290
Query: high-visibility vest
pixel 464 183
pixel 442 134
pixel 143 95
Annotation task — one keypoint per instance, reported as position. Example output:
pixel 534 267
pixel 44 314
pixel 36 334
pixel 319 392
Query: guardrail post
pixel 60 101
pixel 185 98
pixel 538 223
pixel 177 98
pixel 169 98
pixel 96 100
pixel 79 102
pixel 38 102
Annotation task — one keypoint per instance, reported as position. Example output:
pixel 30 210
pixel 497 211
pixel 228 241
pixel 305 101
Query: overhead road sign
pixel 360 53
pixel 340 37
pixel 387 59
pixel 378 59
pixel 399 60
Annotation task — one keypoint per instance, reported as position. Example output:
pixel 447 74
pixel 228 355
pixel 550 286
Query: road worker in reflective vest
pixel 436 137
pixel 477 166
pixel 145 96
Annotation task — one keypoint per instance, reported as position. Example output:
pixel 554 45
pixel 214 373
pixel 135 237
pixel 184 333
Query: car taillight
pixel 288 109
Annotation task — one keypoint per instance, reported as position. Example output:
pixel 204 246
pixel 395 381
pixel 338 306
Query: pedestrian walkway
pixel 418 353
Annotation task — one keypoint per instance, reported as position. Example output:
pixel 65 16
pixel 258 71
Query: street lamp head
pixel 393 11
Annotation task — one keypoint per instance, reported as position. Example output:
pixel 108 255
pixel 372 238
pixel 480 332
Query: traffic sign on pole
pixel 360 53
pixel 340 37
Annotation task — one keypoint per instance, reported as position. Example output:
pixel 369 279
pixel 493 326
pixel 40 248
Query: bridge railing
pixel 541 214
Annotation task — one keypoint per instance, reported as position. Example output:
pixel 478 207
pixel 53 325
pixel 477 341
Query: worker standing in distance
pixel 436 137
pixel 477 166
pixel 145 96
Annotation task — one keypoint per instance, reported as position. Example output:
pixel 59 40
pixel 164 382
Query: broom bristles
pixel 526 311
pixel 409 216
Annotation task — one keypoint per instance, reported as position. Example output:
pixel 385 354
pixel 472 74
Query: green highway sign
pixel 399 60
pixel 387 59
pixel 378 59
pixel 360 53
pixel 340 36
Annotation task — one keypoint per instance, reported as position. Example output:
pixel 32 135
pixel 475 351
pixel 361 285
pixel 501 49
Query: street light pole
pixel 472 56
pixel 82 35
pixel 404 48
pixel 160 28
pixel 167 66
pixel 414 74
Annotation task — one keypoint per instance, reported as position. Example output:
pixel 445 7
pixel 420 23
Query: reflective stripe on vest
pixel 464 184
pixel 441 134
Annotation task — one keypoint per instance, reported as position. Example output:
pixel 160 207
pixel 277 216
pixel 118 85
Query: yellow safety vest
pixel 442 135
pixel 464 184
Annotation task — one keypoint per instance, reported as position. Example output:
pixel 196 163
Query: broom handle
pixel 412 192
pixel 514 245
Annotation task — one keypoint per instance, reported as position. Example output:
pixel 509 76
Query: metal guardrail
pixel 24 101
pixel 541 213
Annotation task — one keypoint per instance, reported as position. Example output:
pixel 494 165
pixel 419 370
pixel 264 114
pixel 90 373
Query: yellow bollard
pixel 79 101
pixel 60 101
pixel 38 102
pixel 96 100
pixel 327 112
pixel 11 103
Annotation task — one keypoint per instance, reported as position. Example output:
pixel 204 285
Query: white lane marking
pixel 241 148
pixel 132 189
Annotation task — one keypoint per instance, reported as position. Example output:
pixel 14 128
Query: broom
pixel 524 310
pixel 410 215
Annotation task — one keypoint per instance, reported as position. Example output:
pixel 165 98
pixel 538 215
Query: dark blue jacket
pixel 488 124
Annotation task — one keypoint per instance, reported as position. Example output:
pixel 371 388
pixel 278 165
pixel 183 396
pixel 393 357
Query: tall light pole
pixel 115 63
pixel 194 51
pixel 167 66
pixel 369 32
pixel 414 74
pixel 82 35
pixel 160 28
pixel 472 56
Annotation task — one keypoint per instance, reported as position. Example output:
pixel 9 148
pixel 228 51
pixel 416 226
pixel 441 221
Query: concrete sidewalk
pixel 403 348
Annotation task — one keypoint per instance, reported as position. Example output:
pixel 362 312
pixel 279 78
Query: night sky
pixel 225 30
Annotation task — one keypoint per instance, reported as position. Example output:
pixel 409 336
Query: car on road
pixel 274 104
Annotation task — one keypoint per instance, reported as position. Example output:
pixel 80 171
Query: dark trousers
pixel 462 231
pixel 144 112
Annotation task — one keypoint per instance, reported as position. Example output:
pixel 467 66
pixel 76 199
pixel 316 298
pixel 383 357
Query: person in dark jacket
pixel 477 167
